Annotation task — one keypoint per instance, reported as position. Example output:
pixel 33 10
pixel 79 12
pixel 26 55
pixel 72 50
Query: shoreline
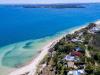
pixel 25 49
pixel 70 55
pixel 32 67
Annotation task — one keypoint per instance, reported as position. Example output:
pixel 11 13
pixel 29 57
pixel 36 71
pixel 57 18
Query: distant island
pixel 54 6
pixel 82 5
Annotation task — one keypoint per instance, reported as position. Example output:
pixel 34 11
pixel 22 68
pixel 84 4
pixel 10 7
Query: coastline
pixel 72 52
pixel 27 45
pixel 32 67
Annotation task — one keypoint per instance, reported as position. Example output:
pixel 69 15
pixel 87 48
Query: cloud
pixel 45 1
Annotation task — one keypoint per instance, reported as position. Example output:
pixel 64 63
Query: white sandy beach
pixel 32 67
pixel 27 54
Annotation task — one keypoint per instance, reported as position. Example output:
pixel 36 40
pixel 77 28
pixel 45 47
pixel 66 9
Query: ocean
pixel 24 31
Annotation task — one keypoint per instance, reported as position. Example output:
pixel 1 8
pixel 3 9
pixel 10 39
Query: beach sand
pixel 32 67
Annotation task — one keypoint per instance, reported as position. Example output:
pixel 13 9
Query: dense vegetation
pixel 88 56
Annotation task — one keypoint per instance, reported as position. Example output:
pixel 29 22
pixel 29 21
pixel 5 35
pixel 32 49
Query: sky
pixel 45 1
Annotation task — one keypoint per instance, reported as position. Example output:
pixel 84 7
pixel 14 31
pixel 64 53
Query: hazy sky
pixel 45 1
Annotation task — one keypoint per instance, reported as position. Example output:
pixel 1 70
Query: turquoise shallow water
pixel 24 31
pixel 18 54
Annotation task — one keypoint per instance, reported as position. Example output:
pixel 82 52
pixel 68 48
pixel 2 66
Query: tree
pixel 97 72
pixel 89 69
pixel 97 57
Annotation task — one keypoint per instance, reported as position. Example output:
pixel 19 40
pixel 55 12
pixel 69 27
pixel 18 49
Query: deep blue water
pixel 19 24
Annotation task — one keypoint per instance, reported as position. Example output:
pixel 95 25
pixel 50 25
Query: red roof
pixel 76 53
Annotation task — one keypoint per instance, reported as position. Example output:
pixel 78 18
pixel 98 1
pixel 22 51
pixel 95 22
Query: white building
pixel 76 72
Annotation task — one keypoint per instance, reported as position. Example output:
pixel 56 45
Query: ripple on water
pixel 23 52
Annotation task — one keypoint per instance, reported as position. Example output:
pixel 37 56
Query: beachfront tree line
pixel 55 58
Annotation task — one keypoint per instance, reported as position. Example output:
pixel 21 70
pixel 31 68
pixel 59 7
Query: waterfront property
pixel 76 72
pixel 29 30
pixel 71 58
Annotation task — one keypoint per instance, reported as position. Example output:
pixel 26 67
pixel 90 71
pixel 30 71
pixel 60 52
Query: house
pixel 80 65
pixel 79 33
pixel 76 54
pixel 69 58
pixel 76 40
pixel 76 72
pixel 70 64
pixel 94 30
pixel 77 48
